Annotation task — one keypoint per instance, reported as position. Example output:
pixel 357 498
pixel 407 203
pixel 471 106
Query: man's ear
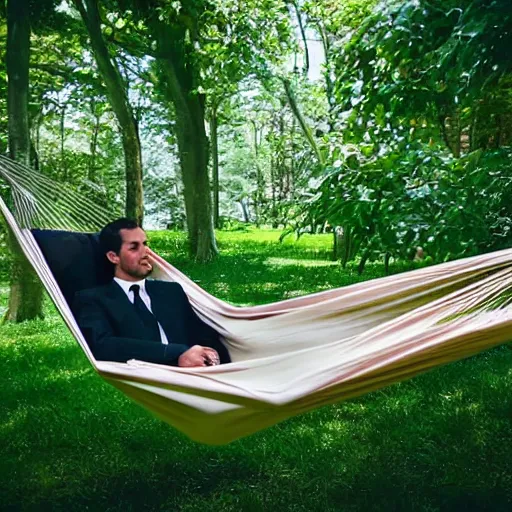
pixel 112 257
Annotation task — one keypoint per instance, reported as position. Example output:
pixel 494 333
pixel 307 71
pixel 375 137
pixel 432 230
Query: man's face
pixel 132 262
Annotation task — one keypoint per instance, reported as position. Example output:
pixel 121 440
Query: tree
pixel 409 80
pixel 185 40
pixel 117 93
pixel 180 80
pixel 25 299
pixel 214 129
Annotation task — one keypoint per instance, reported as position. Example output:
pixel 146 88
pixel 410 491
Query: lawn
pixel 69 441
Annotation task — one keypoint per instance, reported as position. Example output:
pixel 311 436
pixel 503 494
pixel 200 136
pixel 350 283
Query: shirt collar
pixel 125 285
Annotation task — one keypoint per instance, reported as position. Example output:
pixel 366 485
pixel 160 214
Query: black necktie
pixel 149 320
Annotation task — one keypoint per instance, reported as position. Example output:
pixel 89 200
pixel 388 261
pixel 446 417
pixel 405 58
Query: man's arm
pixel 105 346
pixel 202 333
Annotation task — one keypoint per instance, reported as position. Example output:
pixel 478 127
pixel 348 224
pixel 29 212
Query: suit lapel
pixel 163 305
pixel 158 305
pixel 123 308
pixel 115 292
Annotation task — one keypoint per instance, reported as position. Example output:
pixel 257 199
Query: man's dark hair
pixel 110 238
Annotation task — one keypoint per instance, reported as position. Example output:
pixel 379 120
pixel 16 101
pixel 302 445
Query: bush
pixel 399 198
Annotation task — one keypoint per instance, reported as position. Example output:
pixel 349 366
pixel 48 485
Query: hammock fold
pixel 292 356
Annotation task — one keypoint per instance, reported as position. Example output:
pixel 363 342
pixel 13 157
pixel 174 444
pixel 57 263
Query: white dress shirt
pixel 125 286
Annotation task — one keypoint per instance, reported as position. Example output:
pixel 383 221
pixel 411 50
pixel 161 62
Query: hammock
pixel 288 357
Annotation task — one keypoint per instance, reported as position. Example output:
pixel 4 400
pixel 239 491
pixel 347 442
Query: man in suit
pixel 135 318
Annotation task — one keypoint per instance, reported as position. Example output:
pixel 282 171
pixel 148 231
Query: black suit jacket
pixel 115 332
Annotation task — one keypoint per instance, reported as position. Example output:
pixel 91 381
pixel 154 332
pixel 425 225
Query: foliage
pixel 337 18
pixel 238 183
pixel 402 94
pixel 420 62
pixel 162 187
pixel 395 200
pixel 403 140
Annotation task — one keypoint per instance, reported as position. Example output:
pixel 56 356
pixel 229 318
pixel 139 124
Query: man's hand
pixel 198 356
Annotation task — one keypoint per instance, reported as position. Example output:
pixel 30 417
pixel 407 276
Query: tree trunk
pixel 290 96
pixel 91 173
pixel 451 132
pixel 340 243
pixel 347 246
pixel 35 136
pixel 290 185
pixel 303 35
pixel 245 210
pixel 26 294
pixel 38 134
pixel 215 164
pixel 260 184
pixel 18 50
pixel 192 141
pixel 362 263
pixel 193 148
pixel 329 85
pixel 387 257
pixel 62 139
pixel 273 208
pixel 281 168
pixel 118 98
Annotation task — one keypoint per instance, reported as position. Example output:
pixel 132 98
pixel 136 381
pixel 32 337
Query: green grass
pixel 254 268
pixel 68 441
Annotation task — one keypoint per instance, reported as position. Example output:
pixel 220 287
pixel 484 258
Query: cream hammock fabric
pixel 291 356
